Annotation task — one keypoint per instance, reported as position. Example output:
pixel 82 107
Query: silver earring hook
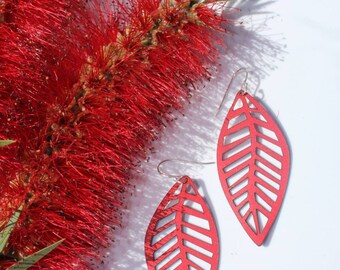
pixel 183 161
pixel 243 87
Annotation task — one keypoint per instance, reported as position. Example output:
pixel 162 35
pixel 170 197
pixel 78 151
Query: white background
pixel 292 50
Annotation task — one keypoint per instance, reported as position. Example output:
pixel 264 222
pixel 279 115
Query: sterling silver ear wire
pixel 243 87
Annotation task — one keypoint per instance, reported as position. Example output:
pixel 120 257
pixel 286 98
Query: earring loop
pixel 243 87
pixel 183 161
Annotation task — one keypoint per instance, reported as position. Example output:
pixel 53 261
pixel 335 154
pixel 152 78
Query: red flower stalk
pixel 84 90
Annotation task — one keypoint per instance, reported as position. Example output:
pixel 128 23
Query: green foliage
pixel 5 233
pixel 26 262
pixel 35 257
pixel 6 142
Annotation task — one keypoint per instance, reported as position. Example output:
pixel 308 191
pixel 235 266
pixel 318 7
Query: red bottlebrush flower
pixel 84 90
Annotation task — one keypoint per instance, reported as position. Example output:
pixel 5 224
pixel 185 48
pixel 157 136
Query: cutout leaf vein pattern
pixel 194 227
pixel 268 164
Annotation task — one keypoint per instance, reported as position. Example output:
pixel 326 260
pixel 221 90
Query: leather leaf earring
pixel 182 232
pixel 253 162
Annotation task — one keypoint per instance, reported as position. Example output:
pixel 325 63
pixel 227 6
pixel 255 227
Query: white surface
pixel 292 49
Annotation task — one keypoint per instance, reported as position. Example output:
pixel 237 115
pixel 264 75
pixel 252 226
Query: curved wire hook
pixel 183 161
pixel 243 87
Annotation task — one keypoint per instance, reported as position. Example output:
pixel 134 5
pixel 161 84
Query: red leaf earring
pixel 182 233
pixel 253 162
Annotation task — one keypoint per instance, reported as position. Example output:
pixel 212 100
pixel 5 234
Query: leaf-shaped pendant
pixel 182 233
pixel 253 164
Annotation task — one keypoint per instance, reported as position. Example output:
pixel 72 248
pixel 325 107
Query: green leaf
pixel 35 257
pixel 5 233
pixel 6 142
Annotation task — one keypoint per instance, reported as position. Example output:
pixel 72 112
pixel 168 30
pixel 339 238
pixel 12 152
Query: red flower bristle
pixel 84 90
